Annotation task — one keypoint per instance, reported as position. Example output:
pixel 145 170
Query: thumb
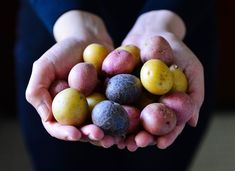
pixel 37 93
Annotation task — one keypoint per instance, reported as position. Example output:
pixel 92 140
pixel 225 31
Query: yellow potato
pixel 156 77
pixel 180 82
pixel 70 107
pixel 93 99
pixel 95 54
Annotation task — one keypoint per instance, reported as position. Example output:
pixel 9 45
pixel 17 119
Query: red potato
pixel 119 62
pixel 134 118
pixel 158 119
pixel 156 47
pixel 57 86
pixel 83 77
pixel 181 103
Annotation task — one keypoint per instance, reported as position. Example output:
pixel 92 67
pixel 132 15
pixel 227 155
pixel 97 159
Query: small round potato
pixel 158 119
pixel 156 77
pixel 83 77
pixel 156 47
pixel 70 107
pixel 119 62
pixel 95 54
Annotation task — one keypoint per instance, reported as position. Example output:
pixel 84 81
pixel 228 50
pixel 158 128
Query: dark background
pixel 226 79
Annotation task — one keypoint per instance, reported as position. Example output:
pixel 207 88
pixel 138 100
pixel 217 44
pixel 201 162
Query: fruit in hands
pixel 181 103
pixel 57 86
pixel 118 62
pixel 156 47
pixel 134 50
pixel 70 107
pixel 134 118
pixel 180 82
pixel 83 77
pixel 93 99
pixel 158 119
pixel 95 54
pixel 111 118
pixel 156 77
pixel 123 88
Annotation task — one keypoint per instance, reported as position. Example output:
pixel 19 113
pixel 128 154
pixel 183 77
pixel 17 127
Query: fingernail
pixel 43 112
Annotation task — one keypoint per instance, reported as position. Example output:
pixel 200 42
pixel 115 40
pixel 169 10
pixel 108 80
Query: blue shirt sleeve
pixel 50 10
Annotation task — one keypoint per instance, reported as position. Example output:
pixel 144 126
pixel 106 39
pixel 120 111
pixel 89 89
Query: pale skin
pixel 73 31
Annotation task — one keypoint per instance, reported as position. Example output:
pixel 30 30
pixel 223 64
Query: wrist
pixel 80 25
pixel 160 22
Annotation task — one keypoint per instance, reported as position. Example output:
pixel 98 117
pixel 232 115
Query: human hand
pixel 168 25
pixel 56 63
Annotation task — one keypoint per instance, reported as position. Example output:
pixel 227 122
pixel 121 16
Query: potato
pixel 83 77
pixel 57 86
pixel 156 77
pixel 118 62
pixel 124 89
pixel 156 47
pixel 111 118
pixel 134 50
pixel 95 54
pixel 70 107
pixel 134 118
pixel 181 103
pixel 158 119
pixel 93 99
pixel 180 82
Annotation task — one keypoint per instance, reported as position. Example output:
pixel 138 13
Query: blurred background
pixel 216 152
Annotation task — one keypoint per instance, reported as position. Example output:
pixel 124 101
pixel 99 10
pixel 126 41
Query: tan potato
pixel 118 62
pixel 181 103
pixel 83 77
pixel 156 47
pixel 158 119
pixel 70 107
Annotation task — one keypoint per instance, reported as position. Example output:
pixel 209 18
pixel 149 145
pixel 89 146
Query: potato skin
pixel 180 82
pixel 181 103
pixel 70 107
pixel 95 54
pixel 156 77
pixel 83 77
pixel 134 50
pixel 124 89
pixel 134 118
pixel 156 47
pixel 57 86
pixel 111 118
pixel 119 62
pixel 158 119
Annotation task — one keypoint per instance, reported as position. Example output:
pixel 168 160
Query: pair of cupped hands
pixel 73 31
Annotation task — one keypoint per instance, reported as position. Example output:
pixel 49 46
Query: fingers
pixel 144 139
pixel 63 132
pixel 92 132
pixel 131 144
pixel 166 140
pixel 120 142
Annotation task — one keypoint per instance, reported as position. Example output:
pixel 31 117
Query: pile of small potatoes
pixel 125 90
